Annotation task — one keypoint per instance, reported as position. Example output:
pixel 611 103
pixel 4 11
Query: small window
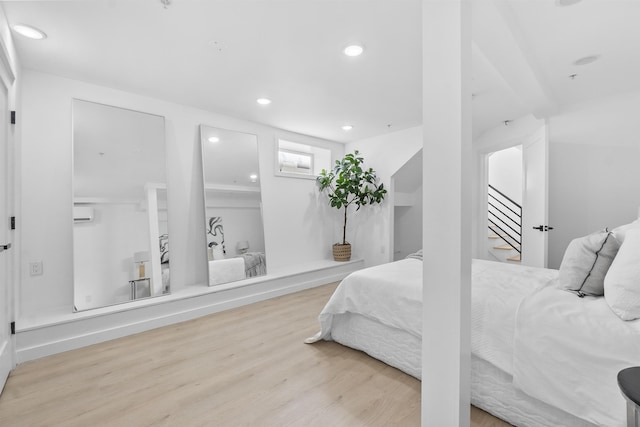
pixel 301 160
pixel 295 162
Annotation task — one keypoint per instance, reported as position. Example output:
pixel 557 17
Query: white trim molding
pixel 89 328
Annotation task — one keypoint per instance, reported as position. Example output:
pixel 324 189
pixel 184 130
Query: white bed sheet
pixel 497 290
pixel 492 390
pixel 388 293
pixel 570 353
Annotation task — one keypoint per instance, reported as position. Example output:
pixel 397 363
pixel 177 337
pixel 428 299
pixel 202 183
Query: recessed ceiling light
pixel 562 3
pixel 253 177
pixel 347 127
pixel 586 60
pixel 213 139
pixel 353 50
pixel 263 101
pixel 29 31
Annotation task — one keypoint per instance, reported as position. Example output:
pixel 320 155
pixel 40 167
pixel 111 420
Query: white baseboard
pixel 45 340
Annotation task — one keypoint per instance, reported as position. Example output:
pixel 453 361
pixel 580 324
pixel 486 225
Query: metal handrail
pixel 518 224
pixel 495 225
pixel 503 204
pixel 500 219
pixel 507 234
pixel 504 195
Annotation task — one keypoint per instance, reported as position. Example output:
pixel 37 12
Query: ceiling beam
pixel 498 38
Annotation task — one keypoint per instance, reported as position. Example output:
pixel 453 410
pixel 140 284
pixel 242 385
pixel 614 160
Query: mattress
pixel 492 390
pixel 390 345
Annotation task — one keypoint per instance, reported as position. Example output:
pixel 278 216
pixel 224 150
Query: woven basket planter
pixel 342 252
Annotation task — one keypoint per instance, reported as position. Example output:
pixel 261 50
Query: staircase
pixel 505 226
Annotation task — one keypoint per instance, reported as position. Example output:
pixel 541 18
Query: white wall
pixel 407 213
pixel 370 230
pixel 594 178
pixel 505 172
pixel 407 234
pixel 297 229
pixel 594 172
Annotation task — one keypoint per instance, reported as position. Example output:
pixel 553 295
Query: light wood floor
pixel 243 367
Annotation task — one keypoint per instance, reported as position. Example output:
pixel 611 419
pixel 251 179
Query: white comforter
pixel 561 349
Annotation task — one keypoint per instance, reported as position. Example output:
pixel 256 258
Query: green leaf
pixel 350 183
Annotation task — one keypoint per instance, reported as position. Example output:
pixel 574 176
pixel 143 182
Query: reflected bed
pixel 246 265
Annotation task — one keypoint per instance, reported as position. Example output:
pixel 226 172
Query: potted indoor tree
pixel 349 183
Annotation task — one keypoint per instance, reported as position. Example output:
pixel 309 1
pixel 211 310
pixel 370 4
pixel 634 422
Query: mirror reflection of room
pixel 120 231
pixel 233 208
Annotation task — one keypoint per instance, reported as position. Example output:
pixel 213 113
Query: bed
pixel 541 356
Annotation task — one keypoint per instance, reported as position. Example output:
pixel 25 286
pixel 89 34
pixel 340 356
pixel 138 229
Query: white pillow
pixel 621 231
pixel 586 262
pixel 622 282
pixel 218 252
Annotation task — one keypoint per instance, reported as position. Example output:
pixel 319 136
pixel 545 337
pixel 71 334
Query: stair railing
pixel 505 218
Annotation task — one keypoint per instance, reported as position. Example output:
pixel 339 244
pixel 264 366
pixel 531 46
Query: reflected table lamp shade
pixel 140 258
pixel 242 246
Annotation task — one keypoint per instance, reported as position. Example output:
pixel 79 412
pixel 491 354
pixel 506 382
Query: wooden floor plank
pixel 243 367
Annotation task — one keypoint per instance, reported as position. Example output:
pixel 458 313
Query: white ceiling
pixel 221 55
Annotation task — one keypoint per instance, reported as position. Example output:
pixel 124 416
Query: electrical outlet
pixel 35 268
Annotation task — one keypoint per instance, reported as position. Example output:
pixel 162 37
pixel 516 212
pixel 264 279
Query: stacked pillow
pixel 586 262
pixel 621 232
pixel 606 263
pixel 622 283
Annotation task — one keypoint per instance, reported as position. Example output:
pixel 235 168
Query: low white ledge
pixel 59 332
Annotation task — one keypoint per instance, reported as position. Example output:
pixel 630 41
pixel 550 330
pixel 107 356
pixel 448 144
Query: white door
pixel 534 199
pixel 6 257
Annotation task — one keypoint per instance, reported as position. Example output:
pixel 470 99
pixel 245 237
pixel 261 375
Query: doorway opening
pixel 504 204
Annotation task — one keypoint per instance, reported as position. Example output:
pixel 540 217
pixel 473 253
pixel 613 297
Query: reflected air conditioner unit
pixel 82 214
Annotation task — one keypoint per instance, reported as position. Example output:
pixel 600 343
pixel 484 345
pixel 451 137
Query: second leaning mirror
pixel 233 214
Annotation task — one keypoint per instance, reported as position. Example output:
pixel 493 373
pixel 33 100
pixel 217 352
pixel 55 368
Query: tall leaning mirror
pixel 120 237
pixel 233 208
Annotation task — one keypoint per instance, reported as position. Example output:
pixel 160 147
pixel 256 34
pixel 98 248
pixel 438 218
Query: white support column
pixel 446 342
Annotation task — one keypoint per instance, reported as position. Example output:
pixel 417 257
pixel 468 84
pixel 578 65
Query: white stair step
pixel 505 247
